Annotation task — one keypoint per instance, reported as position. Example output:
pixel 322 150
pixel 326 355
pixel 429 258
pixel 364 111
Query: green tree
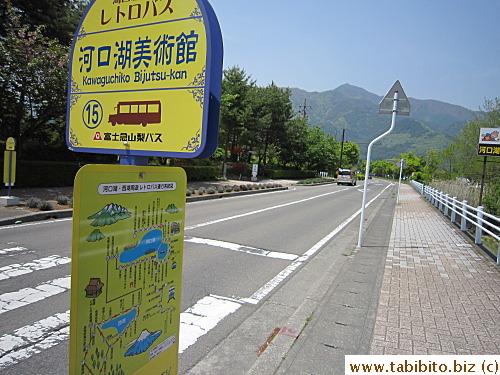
pixel 58 18
pixel 383 168
pixel 448 162
pixel 432 162
pixel 414 163
pixel 466 161
pixel 33 76
pixel 293 146
pixel 350 155
pixel 235 114
pixel 324 151
pixel 274 113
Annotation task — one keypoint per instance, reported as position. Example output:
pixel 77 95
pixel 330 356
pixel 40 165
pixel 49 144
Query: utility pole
pixel 303 109
pixel 342 148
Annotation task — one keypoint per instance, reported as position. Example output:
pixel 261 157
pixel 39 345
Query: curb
pixel 60 214
pixel 37 216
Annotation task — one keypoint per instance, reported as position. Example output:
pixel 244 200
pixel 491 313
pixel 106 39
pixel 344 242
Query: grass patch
pixel 491 244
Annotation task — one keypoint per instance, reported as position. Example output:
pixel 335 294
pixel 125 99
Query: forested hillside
pixel 431 125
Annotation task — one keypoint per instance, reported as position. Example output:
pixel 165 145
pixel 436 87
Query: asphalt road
pixel 234 253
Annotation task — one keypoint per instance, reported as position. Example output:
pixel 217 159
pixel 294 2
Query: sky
pixel 447 50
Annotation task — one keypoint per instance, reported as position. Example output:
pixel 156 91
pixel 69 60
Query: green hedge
pixel 44 173
pixel 52 173
pixel 276 174
pixel 201 173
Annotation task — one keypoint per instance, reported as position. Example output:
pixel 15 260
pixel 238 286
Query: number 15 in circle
pixel 92 114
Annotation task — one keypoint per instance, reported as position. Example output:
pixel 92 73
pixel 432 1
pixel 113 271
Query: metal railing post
pixel 479 226
pixel 498 253
pixel 463 224
pixel 446 205
pixel 453 209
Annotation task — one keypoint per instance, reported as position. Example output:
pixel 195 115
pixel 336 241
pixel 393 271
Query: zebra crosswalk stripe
pixel 14 270
pixel 26 296
pixel 32 339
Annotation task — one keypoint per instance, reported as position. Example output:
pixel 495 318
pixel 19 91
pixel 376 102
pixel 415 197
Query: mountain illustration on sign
pixel 109 215
pixel 95 236
pixel 172 209
pixel 142 343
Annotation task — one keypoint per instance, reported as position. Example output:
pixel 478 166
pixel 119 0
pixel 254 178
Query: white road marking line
pixel 274 282
pixel 260 211
pixel 29 340
pixel 26 296
pixel 42 222
pixel 32 339
pixel 204 316
pixel 242 248
pixel 14 270
pixel 12 250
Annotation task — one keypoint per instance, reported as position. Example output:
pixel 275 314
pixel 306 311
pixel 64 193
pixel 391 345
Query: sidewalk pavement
pixel 439 295
pixel 421 288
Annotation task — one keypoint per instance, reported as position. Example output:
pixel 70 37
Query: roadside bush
pixel 33 202
pixel 211 190
pixel 63 200
pixel 240 169
pixel 491 200
pixel 46 206
pixel 422 177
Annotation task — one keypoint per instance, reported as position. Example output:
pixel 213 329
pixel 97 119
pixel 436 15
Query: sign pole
pixel 482 181
pixel 367 172
pixel 9 188
pixel 402 162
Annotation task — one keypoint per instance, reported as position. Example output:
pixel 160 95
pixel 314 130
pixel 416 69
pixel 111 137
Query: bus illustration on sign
pixel 137 113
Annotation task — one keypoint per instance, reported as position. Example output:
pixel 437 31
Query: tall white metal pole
pixel 400 175
pixel 367 172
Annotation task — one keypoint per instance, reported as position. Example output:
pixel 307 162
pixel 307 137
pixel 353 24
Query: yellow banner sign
pixel 140 76
pixel 128 230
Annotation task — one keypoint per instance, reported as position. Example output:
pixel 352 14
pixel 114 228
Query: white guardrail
pixel 468 216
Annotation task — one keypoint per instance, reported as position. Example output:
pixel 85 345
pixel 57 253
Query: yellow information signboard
pixel 10 145
pixel 143 78
pixel 128 229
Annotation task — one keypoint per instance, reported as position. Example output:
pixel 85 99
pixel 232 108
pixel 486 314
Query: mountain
pixel 431 124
